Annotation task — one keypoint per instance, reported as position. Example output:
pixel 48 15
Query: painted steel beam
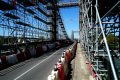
pixel 68 4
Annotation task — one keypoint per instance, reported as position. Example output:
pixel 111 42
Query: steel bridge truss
pixel 29 20
pixel 94 30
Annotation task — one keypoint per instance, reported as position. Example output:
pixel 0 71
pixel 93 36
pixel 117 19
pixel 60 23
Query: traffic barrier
pixel 58 45
pixel 71 50
pixel 4 62
pixel 68 56
pixel 20 57
pixel 65 66
pixel 27 53
pixel 61 71
pixel 44 48
pixel 12 59
pixel 32 51
pixel 51 46
pixel 54 45
pixel 1 66
pixel 39 50
pixel 54 74
pixel 50 77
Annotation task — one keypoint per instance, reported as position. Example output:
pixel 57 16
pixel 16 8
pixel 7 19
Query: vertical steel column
pixel 54 27
pixel 24 32
pixel 92 48
pixel 97 61
pixel 79 18
pixel 119 32
pixel 91 26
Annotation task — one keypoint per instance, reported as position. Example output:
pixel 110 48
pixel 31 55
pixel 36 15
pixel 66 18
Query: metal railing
pixel 106 44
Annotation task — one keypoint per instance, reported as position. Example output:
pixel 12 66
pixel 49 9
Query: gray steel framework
pixel 27 21
pixel 94 30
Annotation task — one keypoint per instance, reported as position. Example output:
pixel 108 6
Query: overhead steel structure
pixel 98 20
pixel 30 21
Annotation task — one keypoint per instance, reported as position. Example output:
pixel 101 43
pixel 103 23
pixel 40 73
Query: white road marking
pixel 35 66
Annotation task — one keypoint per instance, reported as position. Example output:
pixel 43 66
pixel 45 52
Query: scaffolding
pixel 27 21
pixel 98 20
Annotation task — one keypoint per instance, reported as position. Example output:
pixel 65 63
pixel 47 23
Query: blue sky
pixel 70 18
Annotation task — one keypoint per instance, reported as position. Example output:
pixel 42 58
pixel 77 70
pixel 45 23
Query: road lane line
pixel 35 65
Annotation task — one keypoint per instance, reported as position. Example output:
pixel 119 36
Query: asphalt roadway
pixel 36 68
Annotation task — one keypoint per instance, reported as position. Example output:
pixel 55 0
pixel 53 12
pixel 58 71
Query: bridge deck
pixel 81 70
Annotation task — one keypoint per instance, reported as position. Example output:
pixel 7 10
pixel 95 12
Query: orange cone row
pixel 61 69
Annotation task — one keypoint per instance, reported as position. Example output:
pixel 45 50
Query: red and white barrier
pixel 39 50
pixel 50 77
pixel 12 59
pixel 44 48
pixel 23 53
pixel 68 56
pixel 20 57
pixel 65 66
pixel 4 62
pixel 32 51
pixel 1 64
pixel 27 53
pixel 61 71
pixel 51 46
pixel 54 74
pixel 62 65
pixel 58 45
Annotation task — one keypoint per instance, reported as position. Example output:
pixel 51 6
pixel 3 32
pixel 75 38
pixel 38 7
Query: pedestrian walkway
pixel 80 68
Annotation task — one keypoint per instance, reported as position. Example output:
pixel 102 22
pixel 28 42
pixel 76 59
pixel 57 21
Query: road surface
pixel 35 69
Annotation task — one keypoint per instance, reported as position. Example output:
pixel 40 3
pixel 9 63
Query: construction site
pixel 35 43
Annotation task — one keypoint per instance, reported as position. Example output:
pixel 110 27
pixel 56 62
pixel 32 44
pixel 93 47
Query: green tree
pixel 112 41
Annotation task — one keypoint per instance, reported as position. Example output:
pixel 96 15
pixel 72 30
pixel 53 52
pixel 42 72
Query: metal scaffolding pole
pixel 93 37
